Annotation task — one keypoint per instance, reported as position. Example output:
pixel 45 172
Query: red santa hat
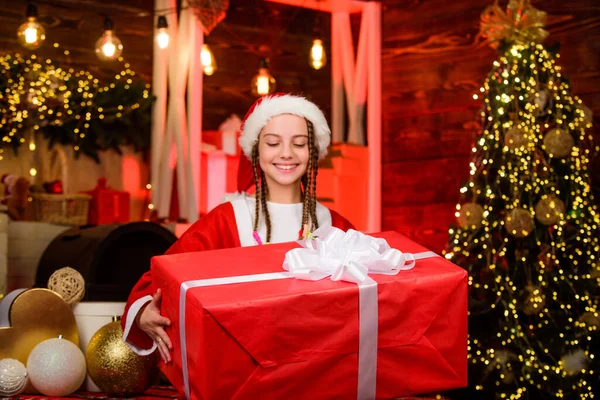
pixel 265 108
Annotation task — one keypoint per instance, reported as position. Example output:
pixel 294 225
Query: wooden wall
pixel 433 62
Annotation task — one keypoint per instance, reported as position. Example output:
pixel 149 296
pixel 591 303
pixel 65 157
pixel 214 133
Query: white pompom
pixel 13 377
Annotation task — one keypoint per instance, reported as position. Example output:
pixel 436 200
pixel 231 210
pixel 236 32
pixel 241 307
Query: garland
pixel 71 107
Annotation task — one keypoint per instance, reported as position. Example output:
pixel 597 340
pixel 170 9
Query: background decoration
pixel 210 12
pixel 549 209
pixel 114 367
pixel 69 283
pixel 520 23
pixel 558 143
pixel 534 282
pixel 13 377
pixel 71 107
pixel 515 138
pixel 31 317
pixel 519 222
pixel 56 367
pixel 471 214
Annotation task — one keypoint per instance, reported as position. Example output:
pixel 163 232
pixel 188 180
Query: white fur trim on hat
pixel 272 106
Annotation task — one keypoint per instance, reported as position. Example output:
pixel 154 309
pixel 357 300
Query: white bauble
pixel 13 377
pixel 56 367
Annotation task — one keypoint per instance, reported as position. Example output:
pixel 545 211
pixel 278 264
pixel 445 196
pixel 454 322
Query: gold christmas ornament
pixel 35 315
pixel 588 115
pixel 549 209
pixel 558 143
pixel 534 300
pixel 114 367
pixel 69 283
pixel 590 318
pixel 471 214
pixel 13 377
pixel 515 138
pixel 573 363
pixel 541 101
pixel 520 23
pixel 519 222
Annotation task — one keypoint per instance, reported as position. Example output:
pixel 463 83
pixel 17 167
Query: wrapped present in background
pixel 293 339
pixel 108 206
pixel 343 182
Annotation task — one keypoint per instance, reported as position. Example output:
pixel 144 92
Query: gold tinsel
pixel 519 222
pixel 520 23
pixel 549 209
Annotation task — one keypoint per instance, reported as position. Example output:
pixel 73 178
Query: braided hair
pixel 309 187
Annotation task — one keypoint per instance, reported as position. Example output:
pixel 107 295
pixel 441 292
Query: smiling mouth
pixel 286 167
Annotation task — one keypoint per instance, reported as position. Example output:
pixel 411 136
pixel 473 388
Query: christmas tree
pixel 528 228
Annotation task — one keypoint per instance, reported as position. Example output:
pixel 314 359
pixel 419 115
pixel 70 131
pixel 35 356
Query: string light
pixel 162 34
pixel 318 57
pixel 31 34
pixel 531 292
pixel 207 59
pixel 263 83
pixel 109 46
pixel 40 95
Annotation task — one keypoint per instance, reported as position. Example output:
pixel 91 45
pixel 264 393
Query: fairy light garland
pixel 534 294
pixel 70 107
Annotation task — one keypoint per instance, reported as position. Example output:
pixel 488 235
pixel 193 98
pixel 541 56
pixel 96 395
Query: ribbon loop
pixel 345 256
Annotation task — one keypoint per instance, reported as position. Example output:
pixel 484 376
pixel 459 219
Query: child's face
pixel 283 150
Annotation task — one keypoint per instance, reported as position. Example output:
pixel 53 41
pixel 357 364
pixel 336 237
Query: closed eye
pixel 272 144
pixel 300 145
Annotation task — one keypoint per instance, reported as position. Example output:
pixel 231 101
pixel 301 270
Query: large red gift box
pixel 295 339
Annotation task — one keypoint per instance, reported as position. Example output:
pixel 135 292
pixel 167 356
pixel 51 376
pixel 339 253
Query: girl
pixel 283 137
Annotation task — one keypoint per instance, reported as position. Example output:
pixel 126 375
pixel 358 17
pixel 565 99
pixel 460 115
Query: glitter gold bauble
pixel 515 138
pixel 588 115
pixel 114 367
pixel 519 222
pixel 13 377
pixel 69 283
pixel 56 367
pixel 534 300
pixel 591 318
pixel 35 315
pixel 558 143
pixel 471 214
pixel 549 209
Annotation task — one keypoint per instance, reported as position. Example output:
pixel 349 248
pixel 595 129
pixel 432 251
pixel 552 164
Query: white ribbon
pixel 342 256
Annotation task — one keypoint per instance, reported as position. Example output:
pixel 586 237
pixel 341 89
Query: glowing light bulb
pixel 31 34
pixel 109 46
pixel 162 35
pixel 207 59
pixel 318 57
pixel 263 83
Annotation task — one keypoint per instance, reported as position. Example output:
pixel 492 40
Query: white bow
pixel 344 256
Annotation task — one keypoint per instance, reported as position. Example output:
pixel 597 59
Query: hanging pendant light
pixel 109 46
pixel 263 83
pixel 318 57
pixel 209 65
pixel 31 34
pixel 162 34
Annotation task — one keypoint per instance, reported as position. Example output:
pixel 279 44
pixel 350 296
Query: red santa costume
pixel 230 224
